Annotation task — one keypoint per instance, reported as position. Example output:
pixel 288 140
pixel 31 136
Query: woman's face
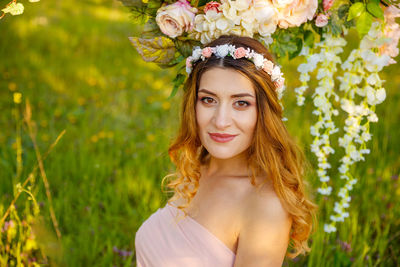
pixel 226 104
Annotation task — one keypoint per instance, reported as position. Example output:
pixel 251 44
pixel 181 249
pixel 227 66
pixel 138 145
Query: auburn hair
pixel 272 150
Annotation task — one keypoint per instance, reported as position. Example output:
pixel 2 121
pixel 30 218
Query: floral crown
pixel 230 50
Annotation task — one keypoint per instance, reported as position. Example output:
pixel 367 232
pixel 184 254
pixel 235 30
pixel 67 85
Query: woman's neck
pixel 236 166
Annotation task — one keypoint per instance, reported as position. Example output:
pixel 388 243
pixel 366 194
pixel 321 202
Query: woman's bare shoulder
pixel 262 198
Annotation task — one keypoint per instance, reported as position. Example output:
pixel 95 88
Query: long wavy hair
pixel 272 150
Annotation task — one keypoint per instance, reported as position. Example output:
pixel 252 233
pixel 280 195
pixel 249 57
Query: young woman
pixel 238 185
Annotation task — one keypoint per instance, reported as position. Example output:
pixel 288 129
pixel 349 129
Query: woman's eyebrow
pixel 232 96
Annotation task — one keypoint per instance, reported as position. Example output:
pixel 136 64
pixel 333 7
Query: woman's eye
pixel 242 103
pixel 207 99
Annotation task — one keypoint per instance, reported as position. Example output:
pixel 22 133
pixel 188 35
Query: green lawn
pixel 75 64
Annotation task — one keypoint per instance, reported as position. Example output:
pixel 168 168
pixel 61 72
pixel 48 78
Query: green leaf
pixel 153 6
pixel 309 38
pixel 356 10
pixel 290 47
pixel 285 38
pixel 335 25
pixel 159 49
pixel 178 81
pixel 139 15
pixel 185 46
pixel 375 10
pixel 364 23
pixel 343 10
pixel 150 29
pixel 299 45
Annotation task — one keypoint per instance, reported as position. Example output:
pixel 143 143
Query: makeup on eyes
pixel 247 104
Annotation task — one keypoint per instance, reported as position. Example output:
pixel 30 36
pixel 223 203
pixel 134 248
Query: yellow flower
pixel 145 1
pixel 17 97
pixel 151 137
pixel 81 101
pixel 30 244
pixel 166 105
pixel 94 138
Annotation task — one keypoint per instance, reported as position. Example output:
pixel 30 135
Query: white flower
pixel 325 191
pixel 223 24
pixel 324 178
pixel 258 60
pixel 230 12
pixel 373 78
pixel 373 117
pixel 266 38
pixel 366 136
pixel 343 168
pixel 380 95
pixel 365 151
pixel 276 73
pixel 14 9
pixel 240 5
pixel 329 228
pixel 370 92
pixel 222 50
pixel 265 15
pixel 196 53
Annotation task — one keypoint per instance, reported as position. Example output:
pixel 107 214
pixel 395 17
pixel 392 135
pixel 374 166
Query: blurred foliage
pixel 75 64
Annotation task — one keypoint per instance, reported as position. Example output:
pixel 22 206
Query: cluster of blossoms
pixel 360 79
pixel 363 64
pixel 246 18
pixel 259 61
pixel 324 127
pixel 241 17
pixel 13 8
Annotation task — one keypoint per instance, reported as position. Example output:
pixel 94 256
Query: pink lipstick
pixel 221 138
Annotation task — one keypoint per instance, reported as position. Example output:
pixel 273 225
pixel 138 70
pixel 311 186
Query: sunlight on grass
pixel 74 62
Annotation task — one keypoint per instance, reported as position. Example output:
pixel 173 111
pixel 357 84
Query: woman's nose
pixel 222 116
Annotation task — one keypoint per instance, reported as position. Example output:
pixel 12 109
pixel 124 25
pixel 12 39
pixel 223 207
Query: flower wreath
pixel 259 61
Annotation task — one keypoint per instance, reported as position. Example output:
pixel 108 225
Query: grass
pixel 74 63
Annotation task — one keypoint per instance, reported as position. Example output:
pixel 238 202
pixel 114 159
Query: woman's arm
pixel 264 234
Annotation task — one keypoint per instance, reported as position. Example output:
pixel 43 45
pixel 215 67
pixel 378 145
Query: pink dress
pixel 169 241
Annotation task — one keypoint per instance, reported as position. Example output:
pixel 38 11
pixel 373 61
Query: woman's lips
pixel 221 138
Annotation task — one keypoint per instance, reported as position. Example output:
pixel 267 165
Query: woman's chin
pixel 219 154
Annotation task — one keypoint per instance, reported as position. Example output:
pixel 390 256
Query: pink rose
pixel 240 52
pixel 268 66
pixel 213 5
pixel 327 4
pixel 279 83
pixel 206 51
pixel 321 20
pixel 293 13
pixel 188 62
pixel 176 18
